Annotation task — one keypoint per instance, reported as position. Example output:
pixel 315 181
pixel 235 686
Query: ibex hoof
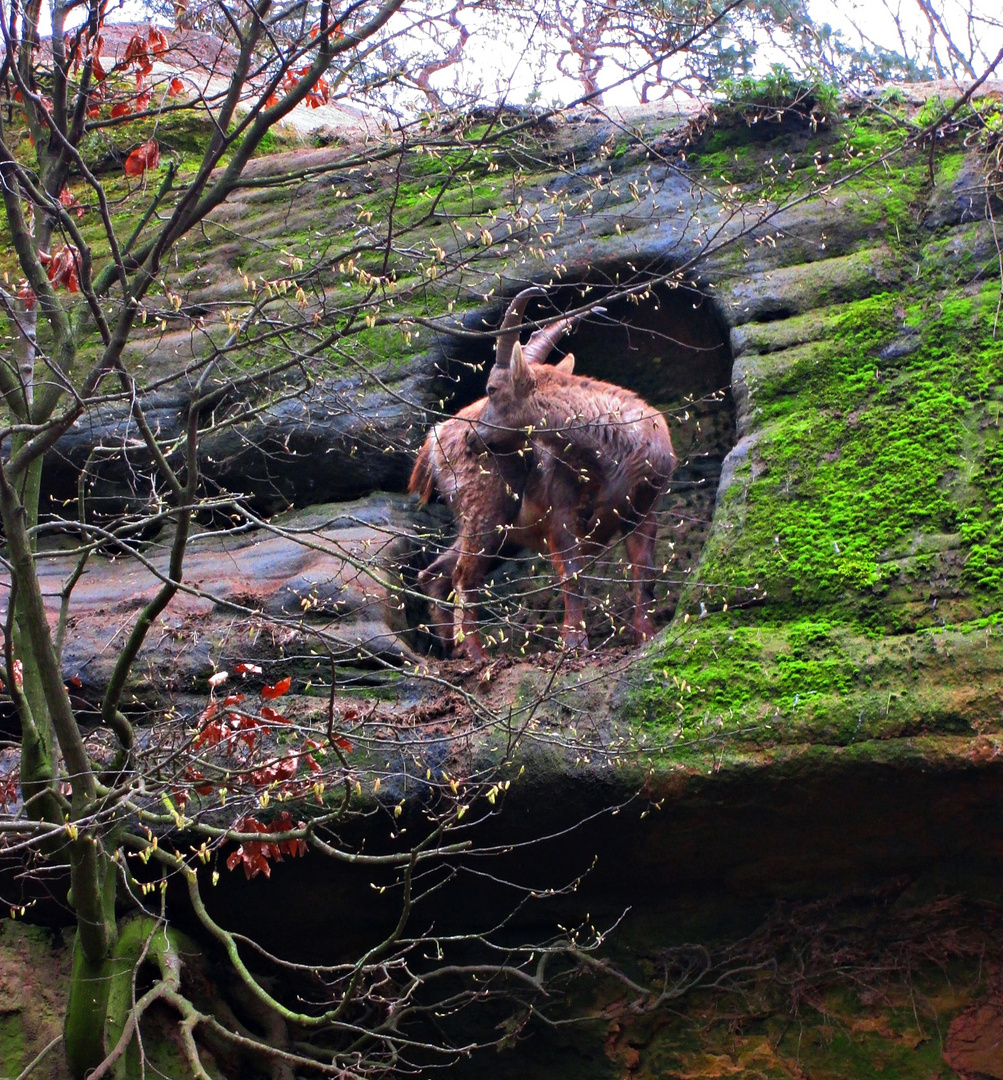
pixel 472 649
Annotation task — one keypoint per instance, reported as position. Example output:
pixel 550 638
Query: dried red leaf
pixel 246 669
pixel 135 49
pixel 26 295
pixel 254 854
pixel 193 775
pixel 201 789
pixel 269 714
pixel 70 202
pixel 320 94
pixel 248 729
pixel 176 87
pixel 121 109
pixel 9 788
pixel 157 40
pixel 71 51
pixel 63 268
pixel 275 771
pixel 211 735
pixel 270 693
pixel 142 158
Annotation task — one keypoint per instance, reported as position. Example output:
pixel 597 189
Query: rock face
pixel 34 975
pixel 822 337
pixel 794 330
pixel 975 1042
pixel 356 436
pixel 313 586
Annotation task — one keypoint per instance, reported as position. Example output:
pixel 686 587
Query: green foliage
pixel 781 90
pixel 933 108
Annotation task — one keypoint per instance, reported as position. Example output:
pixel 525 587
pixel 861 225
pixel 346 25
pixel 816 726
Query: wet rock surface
pixel 324 583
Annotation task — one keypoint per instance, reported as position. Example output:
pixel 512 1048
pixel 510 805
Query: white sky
pixel 500 68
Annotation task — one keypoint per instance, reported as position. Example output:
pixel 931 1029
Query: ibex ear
pixel 523 379
pixel 567 365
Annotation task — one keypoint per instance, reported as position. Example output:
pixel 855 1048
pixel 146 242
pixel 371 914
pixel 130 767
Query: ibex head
pixel 509 408
pixel 516 371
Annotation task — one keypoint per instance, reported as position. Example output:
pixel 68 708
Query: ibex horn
pixel 512 323
pixel 537 349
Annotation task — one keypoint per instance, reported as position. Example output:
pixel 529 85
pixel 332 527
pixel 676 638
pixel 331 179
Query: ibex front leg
pixel 436 582
pixel 640 545
pixel 478 554
pixel 565 551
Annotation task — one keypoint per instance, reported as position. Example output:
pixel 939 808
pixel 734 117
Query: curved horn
pixel 512 323
pixel 538 348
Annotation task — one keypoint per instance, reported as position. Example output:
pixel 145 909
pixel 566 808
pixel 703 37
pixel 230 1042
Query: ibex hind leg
pixel 436 582
pixel 640 545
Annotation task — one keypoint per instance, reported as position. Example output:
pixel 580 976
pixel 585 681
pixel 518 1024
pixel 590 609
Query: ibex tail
pixel 422 482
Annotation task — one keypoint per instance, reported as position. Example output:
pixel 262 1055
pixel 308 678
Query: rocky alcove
pixel 353 440
pixel 668 342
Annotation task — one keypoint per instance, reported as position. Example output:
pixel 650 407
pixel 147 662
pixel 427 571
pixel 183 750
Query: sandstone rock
pixel 327 583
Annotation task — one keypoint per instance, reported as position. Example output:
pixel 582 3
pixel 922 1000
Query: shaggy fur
pixel 549 462
pixel 600 459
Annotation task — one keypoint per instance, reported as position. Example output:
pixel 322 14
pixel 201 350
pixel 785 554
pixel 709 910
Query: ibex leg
pixel 640 545
pixel 436 582
pixel 477 555
pixel 566 558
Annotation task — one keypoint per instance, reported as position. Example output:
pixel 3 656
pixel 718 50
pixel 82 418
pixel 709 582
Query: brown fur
pixel 601 459
pixel 482 489
pixel 550 462
pixel 422 481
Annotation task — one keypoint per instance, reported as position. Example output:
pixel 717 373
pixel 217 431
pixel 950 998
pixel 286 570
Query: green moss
pixel 857 453
pixel 933 108
pixel 759 684
pixel 950 164
pixel 12 1049
pixel 868 513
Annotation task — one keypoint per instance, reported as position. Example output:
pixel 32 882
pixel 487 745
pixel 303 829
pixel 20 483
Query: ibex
pixel 482 489
pixel 602 457
pixel 588 459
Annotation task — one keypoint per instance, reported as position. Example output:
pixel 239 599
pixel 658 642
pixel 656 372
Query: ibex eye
pixel 491 390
